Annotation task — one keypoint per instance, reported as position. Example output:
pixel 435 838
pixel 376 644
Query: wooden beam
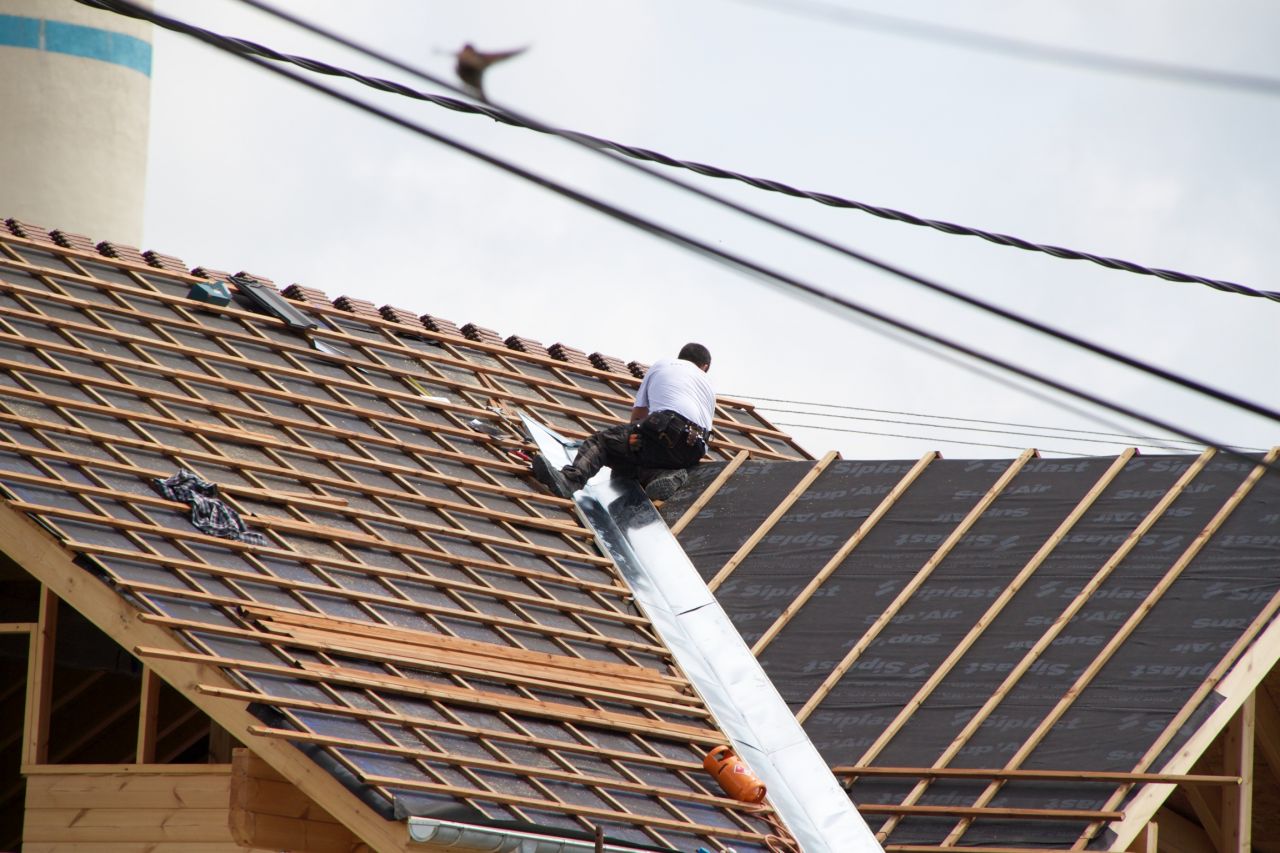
pixel 148 712
pixel 1045 775
pixel 32 548
pixel 709 492
pixel 431 724
pixel 687 825
pixel 1179 835
pixel 1237 802
pixel 917 581
pixel 1267 729
pixel 444 355
pixel 1235 676
pixel 1113 644
pixel 634 723
pixel 40 679
pixel 1148 840
pixel 531 773
pixel 996 812
pixel 774 517
pixel 1209 813
pixel 996 607
pixel 842 553
pixel 308 500
pixel 361 597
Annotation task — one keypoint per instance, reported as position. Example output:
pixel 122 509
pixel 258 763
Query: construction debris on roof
pixel 423 623
pixel 1025 654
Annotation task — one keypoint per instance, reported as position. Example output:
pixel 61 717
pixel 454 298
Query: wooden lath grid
pixel 383 344
pixel 444 768
pixel 383 502
pixel 983 802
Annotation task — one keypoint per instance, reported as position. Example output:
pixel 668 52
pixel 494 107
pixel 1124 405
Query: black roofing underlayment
pixel 1121 711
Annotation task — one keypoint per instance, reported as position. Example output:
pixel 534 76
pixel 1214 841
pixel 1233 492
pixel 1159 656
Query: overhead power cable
pixel 506 116
pixel 1036 51
pixel 786 283
pixel 235 46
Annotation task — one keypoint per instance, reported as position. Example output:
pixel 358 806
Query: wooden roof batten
pixel 230 392
pixel 899 601
pixel 50 564
pixel 391 331
pixel 1235 678
pixel 1137 794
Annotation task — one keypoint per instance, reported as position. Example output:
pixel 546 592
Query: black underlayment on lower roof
pixel 1141 683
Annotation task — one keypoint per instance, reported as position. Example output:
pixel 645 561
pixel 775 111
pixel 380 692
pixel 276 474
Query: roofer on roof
pixel 670 424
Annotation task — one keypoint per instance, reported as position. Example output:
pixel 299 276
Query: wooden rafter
pixel 842 553
pixel 774 517
pixel 1051 633
pixel 1116 641
pixel 40 680
pixel 466 697
pixel 1248 643
pixel 1237 801
pixel 709 492
pixel 32 548
pixel 389 343
pixel 444 726
pixel 942 670
pixel 148 714
pixel 908 590
pixel 1036 775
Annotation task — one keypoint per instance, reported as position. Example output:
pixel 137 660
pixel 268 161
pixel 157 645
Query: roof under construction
pixel 947 631
pixel 409 609
pixel 384 607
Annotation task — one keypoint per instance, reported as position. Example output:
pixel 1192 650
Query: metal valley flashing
pixel 716 660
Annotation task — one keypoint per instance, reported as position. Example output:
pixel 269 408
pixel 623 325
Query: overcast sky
pixel 249 172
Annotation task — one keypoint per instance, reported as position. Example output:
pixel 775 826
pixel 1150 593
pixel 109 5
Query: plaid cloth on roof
pixel 208 513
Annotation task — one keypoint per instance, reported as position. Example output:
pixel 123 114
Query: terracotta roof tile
pixel 71 240
pixel 609 363
pixel 164 262
pixel 525 345
pixel 561 352
pixel 122 252
pixel 441 325
pixel 309 295
pixel 481 334
pixel 362 307
pixel 29 231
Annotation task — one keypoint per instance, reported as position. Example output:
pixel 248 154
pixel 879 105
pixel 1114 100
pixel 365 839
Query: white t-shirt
pixel 680 386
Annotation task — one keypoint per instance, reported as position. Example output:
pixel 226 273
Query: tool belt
pixel 668 439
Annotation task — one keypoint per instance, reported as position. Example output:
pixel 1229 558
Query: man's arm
pixel 638 414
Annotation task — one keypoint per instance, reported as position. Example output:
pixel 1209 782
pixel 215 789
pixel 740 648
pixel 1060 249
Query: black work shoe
pixel 666 484
pixel 553 479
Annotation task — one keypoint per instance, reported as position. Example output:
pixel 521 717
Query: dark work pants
pixel 609 446
pixel 612 446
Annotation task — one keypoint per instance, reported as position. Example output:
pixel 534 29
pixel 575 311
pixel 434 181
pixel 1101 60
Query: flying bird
pixel 472 64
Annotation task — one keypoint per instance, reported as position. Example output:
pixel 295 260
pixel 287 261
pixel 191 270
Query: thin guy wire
pixel 936 287
pixel 956 428
pixel 921 438
pixel 1036 51
pixel 843 407
pixel 783 282
pixel 507 117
